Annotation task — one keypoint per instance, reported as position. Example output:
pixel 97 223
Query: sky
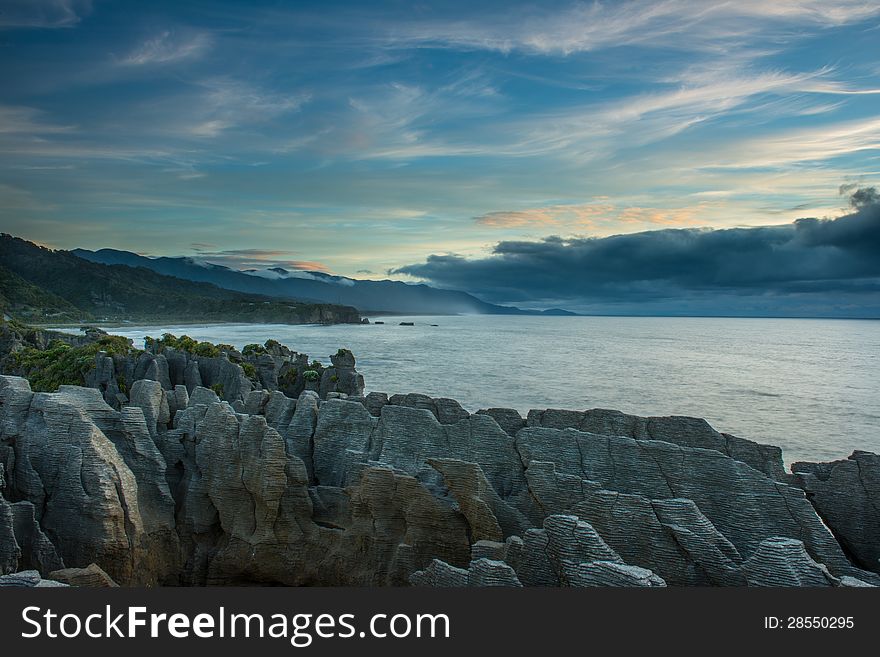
pixel 539 153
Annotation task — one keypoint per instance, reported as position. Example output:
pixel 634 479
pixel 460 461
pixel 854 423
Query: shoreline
pixel 750 387
pixel 481 490
pixel 214 466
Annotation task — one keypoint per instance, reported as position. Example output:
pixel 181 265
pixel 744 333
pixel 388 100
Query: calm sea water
pixel 809 386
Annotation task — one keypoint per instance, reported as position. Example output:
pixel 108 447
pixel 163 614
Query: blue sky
pixel 362 138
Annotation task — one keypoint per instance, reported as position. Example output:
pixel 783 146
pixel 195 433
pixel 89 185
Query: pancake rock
pixel 179 486
pixel 846 494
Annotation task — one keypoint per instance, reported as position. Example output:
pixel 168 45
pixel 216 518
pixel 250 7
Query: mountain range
pixel 41 285
pixel 369 296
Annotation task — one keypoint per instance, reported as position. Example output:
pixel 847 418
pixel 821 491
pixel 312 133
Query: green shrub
pixel 218 388
pixel 170 341
pixel 188 344
pixel 60 364
pixel 206 349
pixel 270 343
pixel 253 350
pixel 316 365
pixel 113 345
pixel 288 377
pixel 340 353
pixel 311 375
pixel 249 370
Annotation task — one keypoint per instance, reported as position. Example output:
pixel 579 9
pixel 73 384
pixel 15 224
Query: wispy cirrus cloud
pixel 169 46
pixel 799 145
pixel 226 102
pixel 403 121
pixel 28 121
pixel 693 97
pixel 584 27
pixel 43 14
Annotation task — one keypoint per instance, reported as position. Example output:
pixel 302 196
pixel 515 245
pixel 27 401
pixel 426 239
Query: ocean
pixel 810 386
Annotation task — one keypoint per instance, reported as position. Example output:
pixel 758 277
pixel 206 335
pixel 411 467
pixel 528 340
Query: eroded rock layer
pixel 179 487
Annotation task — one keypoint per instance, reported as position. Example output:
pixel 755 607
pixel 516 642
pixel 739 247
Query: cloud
pixel 254 259
pixel 18 120
pixel 800 145
pixel 824 257
pixel 677 24
pixel 592 216
pixel 225 103
pixel 403 121
pixel 695 96
pixel 44 14
pixel 169 46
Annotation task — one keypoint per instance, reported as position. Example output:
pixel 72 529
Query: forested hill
pixel 39 284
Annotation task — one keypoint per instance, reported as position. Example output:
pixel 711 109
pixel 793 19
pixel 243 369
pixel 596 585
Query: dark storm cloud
pixel 807 257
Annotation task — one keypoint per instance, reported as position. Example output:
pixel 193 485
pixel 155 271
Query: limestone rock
pixel 86 497
pixel 255 402
pixel 670 537
pixel 37 551
pixel 371 491
pixel 10 552
pixel 201 395
pixel 480 573
pixel 406 437
pixel 743 504
pixel 150 397
pixel 228 376
pixel 157 370
pixel 178 399
pixel 192 377
pixel 447 411
pixel 493 550
pixel 299 433
pixel 92 576
pixel 279 410
pixel 440 574
pixel 490 517
pixel 679 430
pixel 507 418
pixel 846 494
pixel 341 439
pixel 785 562
pixel 27 579
pixel 610 573
pixel 550 555
pixel 486 572
pixel 374 402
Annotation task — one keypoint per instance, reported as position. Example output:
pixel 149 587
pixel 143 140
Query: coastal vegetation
pixel 41 285
pixel 62 364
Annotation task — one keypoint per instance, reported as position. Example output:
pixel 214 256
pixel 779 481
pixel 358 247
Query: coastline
pixel 758 379
pixel 247 468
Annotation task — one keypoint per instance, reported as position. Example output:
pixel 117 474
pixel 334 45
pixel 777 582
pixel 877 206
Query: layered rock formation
pixel 181 487
pixel 847 496
pixel 116 366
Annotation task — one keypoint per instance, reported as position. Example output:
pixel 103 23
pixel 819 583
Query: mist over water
pixel 809 386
